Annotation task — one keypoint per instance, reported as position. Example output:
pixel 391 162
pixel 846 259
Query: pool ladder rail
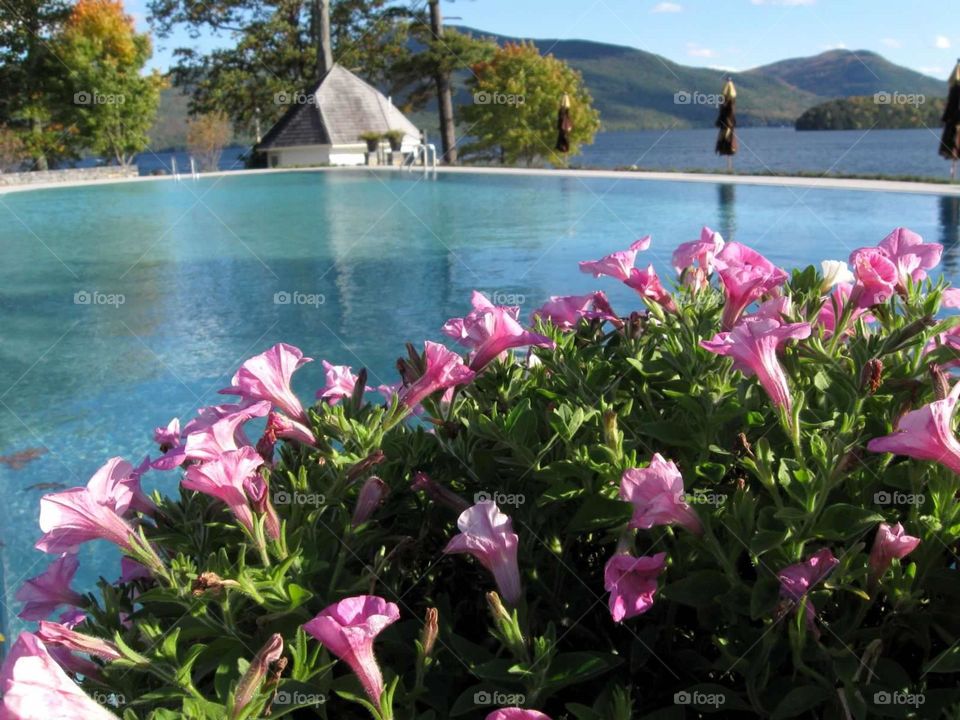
pixel 194 173
pixel 425 153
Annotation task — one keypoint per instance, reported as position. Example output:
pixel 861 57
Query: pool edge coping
pixel 785 181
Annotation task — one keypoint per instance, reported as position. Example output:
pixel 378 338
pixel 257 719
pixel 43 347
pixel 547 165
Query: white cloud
pixel 892 42
pixel 942 42
pixel 667 7
pixel 787 3
pixel 694 50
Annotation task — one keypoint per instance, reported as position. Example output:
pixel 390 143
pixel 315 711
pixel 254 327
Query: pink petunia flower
pixel 876 277
pixel 746 276
pixel 632 583
pixel 833 308
pixel 753 346
pixel 58 634
pixel 797 580
pixel 250 683
pixel 616 265
pixel 657 495
pixel 951 298
pixel 225 479
pixel 75 516
pixel 46 592
pixel 567 311
pixel 348 628
pixel 445 369
pixel 340 383
pixel 168 437
pixel 698 254
pixel 267 377
pixel 926 434
pixel 515 713
pixel 117 485
pixel 372 493
pixel 912 256
pixel 490 330
pixel 648 286
pixel 35 687
pixel 487 534
pixel 891 543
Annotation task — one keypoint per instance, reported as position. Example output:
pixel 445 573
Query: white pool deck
pixel 819 183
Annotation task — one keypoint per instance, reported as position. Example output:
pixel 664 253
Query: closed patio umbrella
pixel 564 125
pixel 727 122
pixel 950 142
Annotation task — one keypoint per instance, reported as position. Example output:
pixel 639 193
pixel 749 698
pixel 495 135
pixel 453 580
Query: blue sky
pixel 734 34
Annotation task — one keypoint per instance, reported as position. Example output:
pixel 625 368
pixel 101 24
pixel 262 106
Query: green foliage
pixel 549 441
pixel 516 97
pixel 867 113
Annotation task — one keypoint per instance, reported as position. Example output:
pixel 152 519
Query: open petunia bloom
pixel 35 687
pixel 224 434
pixel 891 542
pixel 168 437
pixel 566 312
pixel 75 516
pixel 267 376
pixel 753 345
pixel 926 434
pixel 225 478
pixel 445 369
pixel 746 276
pixel 515 713
pixel 648 286
pixel 797 580
pixel 951 297
pixel 206 418
pixel 487 534
pixel 616 265
pixel 53 633
pixel 340 383
pixel 632 583
pixel 490 330
pixel 912 256
pixel 117 485
pixel 46 592
pixel 348 628
pixel 876 276
pixel 694 260
pixel 657 495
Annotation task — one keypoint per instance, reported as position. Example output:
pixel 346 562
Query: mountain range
pixel 635 89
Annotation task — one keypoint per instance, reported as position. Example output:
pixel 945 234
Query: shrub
pixel 621 523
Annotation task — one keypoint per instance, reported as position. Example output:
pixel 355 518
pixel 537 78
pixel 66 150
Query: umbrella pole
pixel 953 170
pixel 729 164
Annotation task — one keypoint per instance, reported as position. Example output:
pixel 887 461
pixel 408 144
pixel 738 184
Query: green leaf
pixel 698 589
pixel 575 667
pixel 842 521
pixel 800 700
pixel 946 662
pixel 599 511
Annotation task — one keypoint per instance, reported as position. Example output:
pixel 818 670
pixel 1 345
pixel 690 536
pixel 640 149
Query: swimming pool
pixel 125 305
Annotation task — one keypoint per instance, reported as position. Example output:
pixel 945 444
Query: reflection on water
pixel 950 230
pixel 726 199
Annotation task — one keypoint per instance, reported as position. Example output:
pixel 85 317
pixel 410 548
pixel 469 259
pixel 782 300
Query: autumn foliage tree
pixel 207 135
pixel 104 91
pixel 516 97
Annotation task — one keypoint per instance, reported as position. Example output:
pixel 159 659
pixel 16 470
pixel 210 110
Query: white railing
pixel 424 153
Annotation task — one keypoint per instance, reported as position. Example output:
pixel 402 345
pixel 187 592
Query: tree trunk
pixel 321 32
pixel 448 128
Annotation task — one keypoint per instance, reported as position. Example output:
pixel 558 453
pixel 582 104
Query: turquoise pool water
pixel 367 262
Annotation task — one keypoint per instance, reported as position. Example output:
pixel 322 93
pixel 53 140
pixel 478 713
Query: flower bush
pixel 738 497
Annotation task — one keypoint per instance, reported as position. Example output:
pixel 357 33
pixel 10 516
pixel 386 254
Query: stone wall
pixel 106 172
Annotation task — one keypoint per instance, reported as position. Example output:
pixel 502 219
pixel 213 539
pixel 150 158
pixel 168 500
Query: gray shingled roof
pixel 343 106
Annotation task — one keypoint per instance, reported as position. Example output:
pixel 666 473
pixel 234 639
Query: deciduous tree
pixel 207 135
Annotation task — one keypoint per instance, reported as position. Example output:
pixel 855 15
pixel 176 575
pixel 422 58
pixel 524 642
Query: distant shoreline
pixel 810 181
